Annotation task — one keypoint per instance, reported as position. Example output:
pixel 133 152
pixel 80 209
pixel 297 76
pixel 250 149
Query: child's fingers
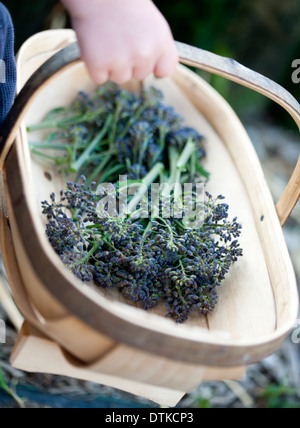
pixel 167 63
pixel 142 70
pixel 120 75
pixel 99 76
pixel 103 70
pixel 123 39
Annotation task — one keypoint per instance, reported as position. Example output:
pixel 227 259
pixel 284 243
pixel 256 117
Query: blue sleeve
pixel 7 63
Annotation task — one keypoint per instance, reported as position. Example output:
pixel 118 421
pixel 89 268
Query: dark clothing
pixel 7 63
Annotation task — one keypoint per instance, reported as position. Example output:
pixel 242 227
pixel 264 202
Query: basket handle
pixel 232 70
pixel 199 58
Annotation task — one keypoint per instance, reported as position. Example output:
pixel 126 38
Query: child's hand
pixel 123 39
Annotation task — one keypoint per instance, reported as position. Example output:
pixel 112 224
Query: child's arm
pixel 123 39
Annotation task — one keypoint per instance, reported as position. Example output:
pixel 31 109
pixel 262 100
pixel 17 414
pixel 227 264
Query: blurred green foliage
pixel 279 396
pixel 263 35
pixel 9 391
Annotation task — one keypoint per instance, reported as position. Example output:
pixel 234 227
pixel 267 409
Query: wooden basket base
pixel 35 353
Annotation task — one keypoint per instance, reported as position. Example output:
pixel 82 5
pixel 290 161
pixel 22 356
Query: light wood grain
pixel 232 70
pixel 50 358
pixel 292 193
pixel 8 304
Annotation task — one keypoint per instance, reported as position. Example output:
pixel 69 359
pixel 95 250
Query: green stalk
pixel 113 133
pixel 9 391
pixel 76 166
pixel 147 181
pixel 108 175
pixel 63 123
pixel 149 227
pixel 90 253
pixel 202 171
pixel 162 146
pixel 181 167
pixel 49 146
pixel 133 120
pixel 128 183
pixel 98 170
pixel 52 158
pixel 173 157
pixel 193 164
pixel 186 154
pixel 143 150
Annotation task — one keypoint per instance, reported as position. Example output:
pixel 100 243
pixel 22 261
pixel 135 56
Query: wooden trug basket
pixel 92 334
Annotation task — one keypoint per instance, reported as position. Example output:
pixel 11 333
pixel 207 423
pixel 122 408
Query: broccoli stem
pixel 143 150
pixel 147 181
pixel 90 253
pixel 136 116
pixel 62 123
pixel 55 159
pixel 110 173
pixel 177 163
pixel 98 170
pixel 186 154
pixel 48 146
pixel 113 134
pixel 173 159
pixel 75 167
